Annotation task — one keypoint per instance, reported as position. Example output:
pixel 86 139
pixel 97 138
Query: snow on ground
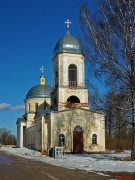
pixel 87 162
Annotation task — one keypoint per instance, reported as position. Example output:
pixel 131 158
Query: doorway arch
pixel 78 139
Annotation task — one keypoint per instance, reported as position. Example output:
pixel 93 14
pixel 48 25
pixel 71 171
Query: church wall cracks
pixel 63 123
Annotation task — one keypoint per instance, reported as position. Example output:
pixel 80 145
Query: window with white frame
pixel 61 140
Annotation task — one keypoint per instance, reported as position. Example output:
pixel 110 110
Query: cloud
pixel 5 106
pixel 18 108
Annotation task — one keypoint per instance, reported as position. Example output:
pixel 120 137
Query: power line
pixel 13 80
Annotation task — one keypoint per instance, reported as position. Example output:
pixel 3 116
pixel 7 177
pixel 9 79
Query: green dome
pixel 68 44
pixel 39 91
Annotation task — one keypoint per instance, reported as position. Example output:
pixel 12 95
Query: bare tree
pixel 109 45
pixel 6 137
pixel 118 121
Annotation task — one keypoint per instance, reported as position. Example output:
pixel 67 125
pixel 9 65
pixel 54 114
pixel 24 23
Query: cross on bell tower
pixel 67 22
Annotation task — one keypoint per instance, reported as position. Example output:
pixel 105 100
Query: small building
pixel 60 116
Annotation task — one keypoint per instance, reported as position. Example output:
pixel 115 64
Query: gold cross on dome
pixel 68 23
pixel 42 69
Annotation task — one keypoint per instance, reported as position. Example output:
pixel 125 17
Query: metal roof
pixel 39 91
pixel 68 44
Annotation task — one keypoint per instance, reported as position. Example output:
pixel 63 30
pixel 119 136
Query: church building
pixel 60 116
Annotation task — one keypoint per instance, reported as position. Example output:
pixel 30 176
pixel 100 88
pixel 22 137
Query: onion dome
pixel 68 44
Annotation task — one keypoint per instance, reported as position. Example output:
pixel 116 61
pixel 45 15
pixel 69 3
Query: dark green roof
pixel 68 44
pixel 39 91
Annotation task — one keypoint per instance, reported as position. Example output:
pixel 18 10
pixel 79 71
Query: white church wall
pixel 64 123
pixel 20 136
pixel 82 94
pixel 65 60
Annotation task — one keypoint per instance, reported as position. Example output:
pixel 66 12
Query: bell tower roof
pixel 68 43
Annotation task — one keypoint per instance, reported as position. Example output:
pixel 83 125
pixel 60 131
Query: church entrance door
pixel 78 140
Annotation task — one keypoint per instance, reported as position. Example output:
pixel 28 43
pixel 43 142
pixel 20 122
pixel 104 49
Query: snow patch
pixel 88 162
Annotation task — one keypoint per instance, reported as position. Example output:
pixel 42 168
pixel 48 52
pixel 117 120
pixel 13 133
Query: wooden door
pixel 78 141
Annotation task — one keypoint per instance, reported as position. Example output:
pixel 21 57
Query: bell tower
pixel 68 74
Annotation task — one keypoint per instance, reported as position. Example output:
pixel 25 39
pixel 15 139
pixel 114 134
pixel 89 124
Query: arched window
pixel 56 79
pixel 78 128
pixel 61 140
pixel 28 106
pixel 73 99
pixel 94 139
pixel 72 75
pixel 36 106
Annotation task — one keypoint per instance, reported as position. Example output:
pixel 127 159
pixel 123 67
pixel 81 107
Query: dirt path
pixel 18 168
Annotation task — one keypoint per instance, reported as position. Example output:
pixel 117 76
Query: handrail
pixel 72 83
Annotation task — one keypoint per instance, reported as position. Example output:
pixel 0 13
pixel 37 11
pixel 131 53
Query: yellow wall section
pixel 42 80
pixel 33 101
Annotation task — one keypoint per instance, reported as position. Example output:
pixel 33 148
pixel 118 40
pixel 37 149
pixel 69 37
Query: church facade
pixel 60 116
